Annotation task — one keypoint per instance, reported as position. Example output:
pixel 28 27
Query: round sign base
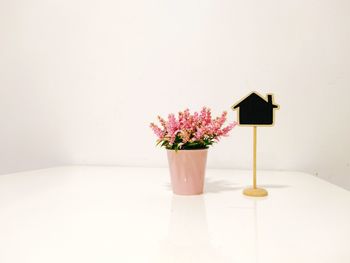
pixel 256 192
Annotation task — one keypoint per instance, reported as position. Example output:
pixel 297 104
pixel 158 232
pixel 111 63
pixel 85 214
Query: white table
pixel 111 214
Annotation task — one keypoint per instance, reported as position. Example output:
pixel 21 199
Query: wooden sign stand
pixel 254 191
pixel 253 111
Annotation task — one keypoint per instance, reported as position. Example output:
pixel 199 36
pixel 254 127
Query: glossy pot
pixel 187 171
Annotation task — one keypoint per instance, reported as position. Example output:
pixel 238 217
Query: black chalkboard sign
pixel 254 110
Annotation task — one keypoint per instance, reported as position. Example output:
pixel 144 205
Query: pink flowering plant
pixel 191 131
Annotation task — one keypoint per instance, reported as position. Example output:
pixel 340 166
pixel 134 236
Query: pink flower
pixel 185 135
pixel 205 115
pixel 172 124
pixel 199 128
pixel 199 134
pixel 162 122
pixel 157 130
pixel 227 129
pixel 221 120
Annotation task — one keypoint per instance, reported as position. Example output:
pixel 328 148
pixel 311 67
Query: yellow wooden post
pixel 254 157
pixel 255 191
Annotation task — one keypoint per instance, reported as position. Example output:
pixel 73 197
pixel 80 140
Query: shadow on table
pixel 219 186
pixel 215 186
pixel 273 186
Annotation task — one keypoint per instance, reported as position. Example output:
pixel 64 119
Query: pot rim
pixel 191 150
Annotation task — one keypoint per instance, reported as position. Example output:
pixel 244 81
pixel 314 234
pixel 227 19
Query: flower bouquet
pixel 187 139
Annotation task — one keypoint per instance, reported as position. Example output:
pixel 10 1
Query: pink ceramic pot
pixel 187 171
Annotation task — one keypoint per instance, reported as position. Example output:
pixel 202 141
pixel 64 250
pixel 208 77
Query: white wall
pixel 81 80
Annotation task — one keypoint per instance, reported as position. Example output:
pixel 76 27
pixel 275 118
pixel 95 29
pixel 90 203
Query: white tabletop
pixel 111 214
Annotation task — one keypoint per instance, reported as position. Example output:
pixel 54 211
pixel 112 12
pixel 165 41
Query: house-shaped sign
pixel 255 110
